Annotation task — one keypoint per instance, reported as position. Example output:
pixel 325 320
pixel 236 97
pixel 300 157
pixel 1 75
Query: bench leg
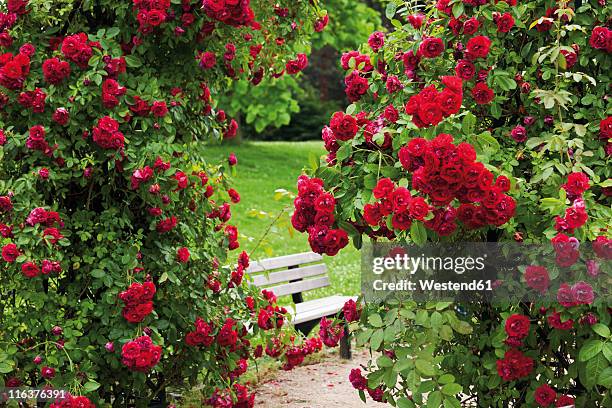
pixel 345 344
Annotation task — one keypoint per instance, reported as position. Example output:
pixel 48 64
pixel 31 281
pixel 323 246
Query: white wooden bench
pixel 293 275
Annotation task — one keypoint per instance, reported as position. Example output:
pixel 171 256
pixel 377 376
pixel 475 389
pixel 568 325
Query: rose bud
pixel 37 360
pixel 154 189
pixel 47 372
pixel 110 347
pixel 525 87
pixel 529 120
pixel 548 120
pixel 147 331
pixel 43 173
pixel 57 331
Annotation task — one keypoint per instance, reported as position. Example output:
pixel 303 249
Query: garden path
pixel 321 385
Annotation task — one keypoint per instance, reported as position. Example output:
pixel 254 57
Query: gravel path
pixel 321 385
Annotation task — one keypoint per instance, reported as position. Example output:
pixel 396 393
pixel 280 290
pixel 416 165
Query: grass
pixel 264 167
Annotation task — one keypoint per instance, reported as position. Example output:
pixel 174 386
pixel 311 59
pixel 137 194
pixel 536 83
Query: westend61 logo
pixel 478 272
pixel 400 263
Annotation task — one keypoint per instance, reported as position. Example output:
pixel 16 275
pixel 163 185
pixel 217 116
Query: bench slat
pixel 301 286
pixel 330 306
pixel 288 275
pixel 284 262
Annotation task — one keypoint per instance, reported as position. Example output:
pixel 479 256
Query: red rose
pixel 601 39
pixel 431 47
pixel 343 126
pixel 570 58
pixel 429 114
pixel 207 60
pixel 554 320
pixel 401 221
pixel 182 255
pixel 582 293
pixel 470 26
pixel 505 23
pixel 418 208
pixel 514 365
pixel 30 270
pixel 575 217
pixel 517 326
pixel 297 65
pixel 478 47
pixel 602 247
pixel 10 252
pixel 482 94
pixel 391 114
pixel 61 116
pixel 544 395
pixel 605 128
pixel 159 109
pixel 564 401
pixel 376 41
pixel 47 372
pixel 537 278
pixel 577 183
pixel 372 214
pixel 519 134
pixel 350 311
pixel 449 101
pixel 357 380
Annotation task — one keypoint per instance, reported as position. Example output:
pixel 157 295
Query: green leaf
pixel 404 402
pixel 458 9
pixel 384 361
pixel 594 368
pixel 6 367
pixel 390 10
pixel 602 330
pixel 605 378
pixel 434 400
pixel 133 61
pixel 425 367
pixel 390 378
pixel 451 403
pixel 451 389
pixel 468 123
pixel 496 110
pixel 446 379
pixel 344 152
pixel 402 365
pixel 377 339
pixel 590 349
pixel 90 386
pixel 112 32
pixel 375 320
pixel 462 327
pixel 418 233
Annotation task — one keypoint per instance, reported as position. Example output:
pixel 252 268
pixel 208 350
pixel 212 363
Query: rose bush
pixel 117 281
pixel 478 121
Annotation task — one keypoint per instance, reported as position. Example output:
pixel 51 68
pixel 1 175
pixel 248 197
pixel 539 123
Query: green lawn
pixel 264 167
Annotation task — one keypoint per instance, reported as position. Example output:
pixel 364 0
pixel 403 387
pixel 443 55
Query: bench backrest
pixel 290 274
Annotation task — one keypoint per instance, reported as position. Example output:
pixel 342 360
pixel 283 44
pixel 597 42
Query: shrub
pixel 479 121
pixel 115 231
